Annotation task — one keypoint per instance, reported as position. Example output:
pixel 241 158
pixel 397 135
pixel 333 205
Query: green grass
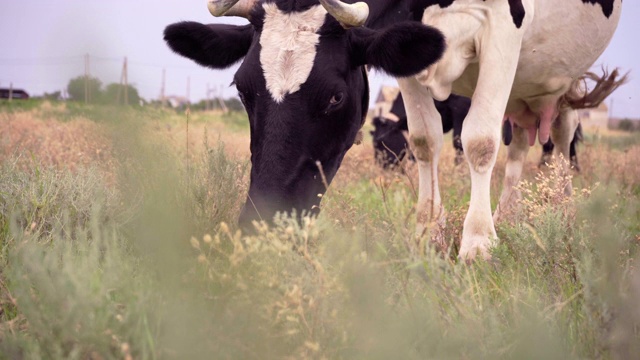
pixel 153 268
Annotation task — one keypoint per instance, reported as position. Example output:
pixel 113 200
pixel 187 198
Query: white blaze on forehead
pixel 288 44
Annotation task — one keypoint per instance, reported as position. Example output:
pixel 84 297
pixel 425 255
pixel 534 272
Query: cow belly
pixel 562 43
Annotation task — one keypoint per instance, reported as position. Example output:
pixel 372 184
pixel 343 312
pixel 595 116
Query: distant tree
pixel 76 89
pixel 56 95
pixel 626 125
pixel 110 94
pixel 234 104
pixel 199 106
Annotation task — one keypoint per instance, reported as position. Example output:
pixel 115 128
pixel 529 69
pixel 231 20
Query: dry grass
pixel 50 142
pixel 564 283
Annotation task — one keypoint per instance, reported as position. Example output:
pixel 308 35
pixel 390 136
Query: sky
pixel 43 43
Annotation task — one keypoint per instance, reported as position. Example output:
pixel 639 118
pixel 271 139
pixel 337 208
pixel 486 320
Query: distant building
pixel 596 118
pixel 177 102
pixel 14 93
pixel 385 99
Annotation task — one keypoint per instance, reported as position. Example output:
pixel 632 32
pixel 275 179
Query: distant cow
pixel 304 85
pixel 389 136
pixel 390 140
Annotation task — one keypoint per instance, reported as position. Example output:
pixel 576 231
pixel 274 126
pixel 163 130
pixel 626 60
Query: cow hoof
pixel 438 238
pixel 545 160
pixel 476 246
pixel 434 231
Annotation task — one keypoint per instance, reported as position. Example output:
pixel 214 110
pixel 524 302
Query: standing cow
pixel 303 83
pixel 390 140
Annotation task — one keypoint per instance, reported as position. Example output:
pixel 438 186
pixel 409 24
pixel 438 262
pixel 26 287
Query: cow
pixel 303 83
pixel 389 142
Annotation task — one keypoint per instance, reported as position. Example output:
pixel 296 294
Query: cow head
pixel 303 84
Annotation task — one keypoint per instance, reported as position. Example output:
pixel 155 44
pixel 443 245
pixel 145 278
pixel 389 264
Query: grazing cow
pixel 303 83
pixel 389 139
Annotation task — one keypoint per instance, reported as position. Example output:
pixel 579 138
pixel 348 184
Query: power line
pixel 72 60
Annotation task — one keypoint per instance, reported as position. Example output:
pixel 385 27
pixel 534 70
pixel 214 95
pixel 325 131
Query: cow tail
pixel 580 97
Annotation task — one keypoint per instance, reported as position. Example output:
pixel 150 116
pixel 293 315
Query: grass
pixel 148 264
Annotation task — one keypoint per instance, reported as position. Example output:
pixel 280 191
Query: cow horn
pixel 349 15
pixel 241 8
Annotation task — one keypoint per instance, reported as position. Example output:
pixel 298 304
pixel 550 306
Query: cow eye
pixel 336 99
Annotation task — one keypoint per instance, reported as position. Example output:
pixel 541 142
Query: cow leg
pixel 516 156
pixel 562 133
pixel 547 152
pixel 425 140
pixel 457 141
pixel 577 136
pixel 481 131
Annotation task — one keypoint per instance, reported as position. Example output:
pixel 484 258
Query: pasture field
pixel 118 240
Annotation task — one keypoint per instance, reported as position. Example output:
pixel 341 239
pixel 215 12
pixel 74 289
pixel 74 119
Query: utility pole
pixel 162 95
pixel 10 91
pixel 189 89
pixel 221 100
pixel 87 73
pixel 124 83
pixel 611 109
pixel 207 103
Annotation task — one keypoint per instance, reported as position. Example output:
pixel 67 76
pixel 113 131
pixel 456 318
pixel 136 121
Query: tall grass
pixel 153 268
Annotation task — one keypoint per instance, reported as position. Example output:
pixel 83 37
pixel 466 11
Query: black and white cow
pixel 389 135
pixel 303 84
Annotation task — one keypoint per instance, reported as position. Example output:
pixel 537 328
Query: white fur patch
pixel 288 43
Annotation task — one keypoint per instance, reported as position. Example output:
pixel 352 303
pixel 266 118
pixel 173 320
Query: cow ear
pixel 401 50
pixel 216 46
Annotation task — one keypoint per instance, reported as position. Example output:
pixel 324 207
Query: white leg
pixel 481 131
pixel 425 139
pixel 516 156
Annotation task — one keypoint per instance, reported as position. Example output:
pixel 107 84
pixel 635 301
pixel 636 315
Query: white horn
pixel 241 8
pixel 349 15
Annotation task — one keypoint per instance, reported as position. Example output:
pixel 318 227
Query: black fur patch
pixel 517 12
pixel 417 7
pixel 507 132
pixel 216 46
pixel 607 5
pixel 400 50
pixel 426 3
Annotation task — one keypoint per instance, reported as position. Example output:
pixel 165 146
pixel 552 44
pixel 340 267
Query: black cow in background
pixel 391 147
pixel 389 142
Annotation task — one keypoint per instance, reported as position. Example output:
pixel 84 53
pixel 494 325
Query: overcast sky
pixel 43 42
